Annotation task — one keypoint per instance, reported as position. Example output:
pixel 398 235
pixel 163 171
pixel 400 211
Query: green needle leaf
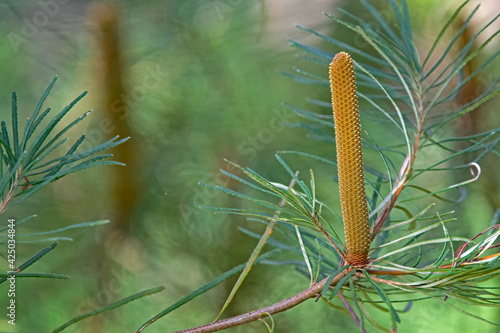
pixel 112 306
pixel 205 288
pixel 34 259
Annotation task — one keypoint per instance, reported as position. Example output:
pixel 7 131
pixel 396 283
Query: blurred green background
pixel 192 83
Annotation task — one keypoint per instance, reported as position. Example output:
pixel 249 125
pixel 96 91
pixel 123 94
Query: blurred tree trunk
pixel 124 187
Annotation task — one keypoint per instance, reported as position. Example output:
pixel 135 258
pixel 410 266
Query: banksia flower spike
pixel 350 160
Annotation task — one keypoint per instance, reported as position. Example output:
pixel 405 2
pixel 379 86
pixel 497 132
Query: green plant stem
pixel 311 292
pixel 11 191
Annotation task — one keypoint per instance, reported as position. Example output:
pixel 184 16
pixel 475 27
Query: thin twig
pixel 311 292
pixel 11 191
pixel 388 282
pixel 377 225
pixel 351 312
pixel 406 170
pixel 325 233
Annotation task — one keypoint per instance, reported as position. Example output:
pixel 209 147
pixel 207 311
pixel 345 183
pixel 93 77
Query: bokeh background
pixel 192 83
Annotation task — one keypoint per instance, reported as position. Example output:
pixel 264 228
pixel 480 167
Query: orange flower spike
pixel 350 159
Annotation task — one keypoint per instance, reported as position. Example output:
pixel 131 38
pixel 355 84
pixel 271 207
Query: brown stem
pixel 374 278
pixel 386 211
pixel 383 272
pixel 406 170
pixel 311 292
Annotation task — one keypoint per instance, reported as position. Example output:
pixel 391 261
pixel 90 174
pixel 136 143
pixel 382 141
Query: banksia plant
pixel 350 159
pixel 398 248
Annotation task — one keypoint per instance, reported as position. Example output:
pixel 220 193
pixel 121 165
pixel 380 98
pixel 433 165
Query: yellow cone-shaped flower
pixel 350 159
